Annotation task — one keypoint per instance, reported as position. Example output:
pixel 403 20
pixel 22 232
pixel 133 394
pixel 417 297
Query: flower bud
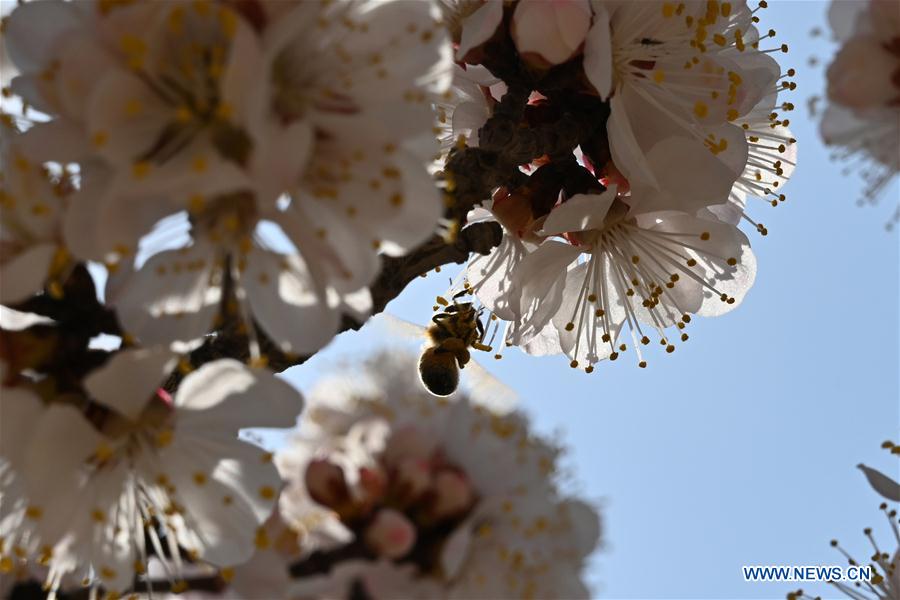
pixel 452 495
pixel 412 480
pixel 550 32
pixel 326 484
pixel 860 76
pixel 391 535
pixel 407 442
pixel 373 483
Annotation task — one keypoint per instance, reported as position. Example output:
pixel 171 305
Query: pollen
pixel 261 540
pixel 199 164
pixel 140 169
pixel 266 492
pixel 99 139
pixel 134 107
pixel 701 109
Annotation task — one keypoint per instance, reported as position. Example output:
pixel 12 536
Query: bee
pixel 452 332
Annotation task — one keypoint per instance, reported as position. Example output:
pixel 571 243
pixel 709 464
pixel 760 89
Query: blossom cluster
pixel 396 493
pixel 237 168
pixel 273 149
pixel 862 120
pixel 241 169
pixel 884 583
pixel 631 228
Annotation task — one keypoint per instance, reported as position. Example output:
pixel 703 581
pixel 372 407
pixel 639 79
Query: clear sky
pixel 740 447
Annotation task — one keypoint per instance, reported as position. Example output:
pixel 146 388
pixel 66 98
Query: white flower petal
pixel 598 65
pixel 19 411
pixel 581 212
pixel 227 505
pixel 226 395
pixel 489 275
pixel 34 28
pixel 289 303
pixel 24 275
pixel 130 379
pixel 881 483
pixel 537 286
pixel 174 296
pixel 479 27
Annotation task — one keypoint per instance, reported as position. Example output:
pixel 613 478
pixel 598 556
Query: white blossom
pixel 683 70
pixel 862 120
pixel 32 201
pixel 475 511
pixel 608 263
pixel 281 150
pixel 138 461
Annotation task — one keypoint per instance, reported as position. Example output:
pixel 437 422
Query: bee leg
pixel 479 327
pixel 463 357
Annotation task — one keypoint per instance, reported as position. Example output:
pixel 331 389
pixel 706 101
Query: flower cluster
pixel 264 150
pixel 863 116
pixel 885 566
pixel 628 225
pixel 402 494
pixel 239 168
pixel 84 476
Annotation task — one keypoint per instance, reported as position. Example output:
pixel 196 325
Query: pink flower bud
pixel 860 75
pixel 325 483
pixel 373 483
pixel 391 534
pixel 452 495
pixel 550 32
pixel 413 479
pixel 407 442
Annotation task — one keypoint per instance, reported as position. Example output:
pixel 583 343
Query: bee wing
pixel 398 327
pixel 488 391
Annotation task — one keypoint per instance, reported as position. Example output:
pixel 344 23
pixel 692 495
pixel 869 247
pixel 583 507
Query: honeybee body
pixel 452 332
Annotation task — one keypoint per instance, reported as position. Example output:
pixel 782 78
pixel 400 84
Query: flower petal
pixel 598 53
pixel 537 286
pixel 290 305
pixel 24 275
pixel 881 483
pixel 129 379
pixel 581 212
pixel 173 297
pixel 228 395
pixel 478 27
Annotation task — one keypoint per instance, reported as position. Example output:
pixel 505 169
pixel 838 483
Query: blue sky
pixel 740 447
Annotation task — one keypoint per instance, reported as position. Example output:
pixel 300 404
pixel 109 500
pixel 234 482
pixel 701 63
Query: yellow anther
pixel 701 109
pixel 140 169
